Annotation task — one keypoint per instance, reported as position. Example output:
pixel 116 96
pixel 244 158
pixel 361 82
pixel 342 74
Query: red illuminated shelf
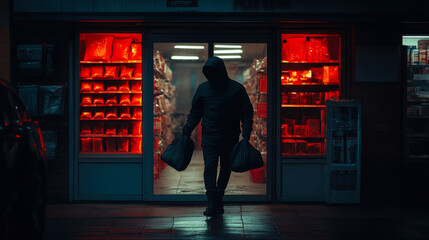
pixel 302 105
pixel 112 79
pixel 105 119
pixel 311 84
pixel 112 92
pixel 305 62
pixel 104 62
pixel 302 136
pixel 112 105
pixel 304 156
pixel 110 135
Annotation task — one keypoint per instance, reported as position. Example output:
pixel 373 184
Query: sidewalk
pixel 312 222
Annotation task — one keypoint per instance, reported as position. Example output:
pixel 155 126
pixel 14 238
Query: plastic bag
pixel 136 99
pixel 98 86
pixel 317 50
pixel 85 144
pixel 137 127
pixel 98 100
pixel 86 115
pixel 126 72
pixel 123 144
pixel 179 153
pixel 98 47
pixel 112 100
pixel 125 112
pixel 110 71
pixel 110 145
pixel 97 72
pixel 86 100
pixel 85 127
pixel 124 86
pixel 123 127
pixel 245 157
pixel 136 145
pixel 138 71
pixel 136 86
pixel 85 86
pixel 136 51
pixel 121 49
pixel 99 113
pixel 97 144
pixel 98 127
pixel 110 127
pixel 52 100
pixel 137 113
pixel 125 99
pixel 111 113
pixel 85 72
pixel 112 88
pixel 294 49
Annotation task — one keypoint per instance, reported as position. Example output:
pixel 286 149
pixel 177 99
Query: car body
pixel 23 170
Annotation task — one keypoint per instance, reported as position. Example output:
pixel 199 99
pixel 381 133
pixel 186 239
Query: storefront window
pixel 110 93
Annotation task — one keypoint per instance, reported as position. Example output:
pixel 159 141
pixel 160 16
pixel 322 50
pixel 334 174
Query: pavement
pixel 97 221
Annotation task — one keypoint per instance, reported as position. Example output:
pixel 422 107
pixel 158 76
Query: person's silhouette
pixel 221 103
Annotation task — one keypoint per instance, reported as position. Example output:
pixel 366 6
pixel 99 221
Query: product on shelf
pixel 86 86
pixel 300 130
pixel 98 127
pixel 126 72
pixel 313 126
pixel 110 145
pixel 86 100
pixel 136 145
pixel 138 71
pixel 123 144
pixel 124 99
pixel 121 49
pixel 136 99
pixel 317 50
pixel 293 49
pixel 124 86
pixel 289 147
pixel 111 113
pixel 99 113
pixel 85 72
pixel 111 99
pixel 110 71
pixel 111 87
pixel 111 128
pixel 86 115
pixel 305 98
pixel 125 112
pixel 98 47
pixel 123 127
pixel 86 144
pixel 136 51
pixel 314 148
pixel 333 74
pixel 262 109
pixel 317 98
pixel 97 72
pixel 98 86
pixel 136 86
pixel 137 113
pixel 293 98
pixel 301 146
pixel 290 125
pixel 85 128
pixel 137 127
pixel 97 145
pixel 263 84
pixel 98 100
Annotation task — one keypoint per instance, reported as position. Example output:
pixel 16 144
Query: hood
pixel 215 72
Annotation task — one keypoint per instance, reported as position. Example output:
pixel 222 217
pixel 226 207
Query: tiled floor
pixel 191 180
pixel 291 222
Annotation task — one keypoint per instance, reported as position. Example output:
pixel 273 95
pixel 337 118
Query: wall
pixel 4 41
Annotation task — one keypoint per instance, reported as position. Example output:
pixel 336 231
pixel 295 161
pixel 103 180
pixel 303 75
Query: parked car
pixel 23 170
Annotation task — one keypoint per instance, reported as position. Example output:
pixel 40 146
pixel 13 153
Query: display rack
pixel 344 153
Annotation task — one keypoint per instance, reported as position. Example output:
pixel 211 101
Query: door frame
pixel 220 35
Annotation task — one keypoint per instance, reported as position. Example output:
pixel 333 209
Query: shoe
pixel 219 201
pixel 211 209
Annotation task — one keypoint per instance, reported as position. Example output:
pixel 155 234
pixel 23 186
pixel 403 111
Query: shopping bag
pixel 245 157
pixel 179 153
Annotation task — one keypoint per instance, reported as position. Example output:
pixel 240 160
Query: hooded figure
pixel 222 104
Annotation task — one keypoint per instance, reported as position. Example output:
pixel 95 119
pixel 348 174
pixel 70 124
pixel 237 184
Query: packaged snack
pixel 305 76
pixel 136 51
pixel 137 112
pixel 138 71
pixel 98 100
pixel 123 127
pixel 136 99
pixel 290 126
pixel 86 86
pixel 317 74
pixel 125 112
pixel 98 47
pixel 136 145
pixel 126 72
pixel 300 130
pixel 85 144
pixel 284 130
pixel 317 98
pixel 112 87
pixel 97 145
pixel 136 86
pixel 97 72
pixel 85 72
pixel 288 147
pixel 305 98
pixel 86 100
pixel 314 148
pixel 111 145
pixel 124 99
pixel 293 98
pixel 99 113
pixel 121 49
pixel 124 86
pixel 86 115
pixel 294 49
pixel 98 127
pixel 301 147
pixel 263 84
pixel 111 113
pixel 98 86
pixel 137 127
pixel 313 127
pixel 123 144
pixel 112 99
pixel 317 50
pixel 110 71
pixel 85 127
pixel 333 74
pixel 285 98
pixel 111 127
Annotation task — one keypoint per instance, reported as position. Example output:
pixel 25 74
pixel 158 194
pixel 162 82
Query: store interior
pixel 177 74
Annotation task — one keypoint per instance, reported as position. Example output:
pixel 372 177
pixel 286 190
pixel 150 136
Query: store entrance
pixel 177 72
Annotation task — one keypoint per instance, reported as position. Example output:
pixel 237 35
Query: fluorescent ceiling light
pixel 229 56
pixel 228 51
pixel 185 57
pixel 189 47
pixel 227 46
pixel 415 36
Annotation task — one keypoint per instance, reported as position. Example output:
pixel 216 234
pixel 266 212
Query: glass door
pixel 177 74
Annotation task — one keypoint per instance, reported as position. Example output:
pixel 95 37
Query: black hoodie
pixel 221 103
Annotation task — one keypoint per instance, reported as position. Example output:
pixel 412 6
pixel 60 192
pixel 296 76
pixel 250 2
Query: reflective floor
pixel 292 222
pixel 191 180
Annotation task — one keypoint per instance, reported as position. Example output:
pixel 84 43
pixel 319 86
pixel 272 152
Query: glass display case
pixel 310 75
pixel 417 98
pixel 110 93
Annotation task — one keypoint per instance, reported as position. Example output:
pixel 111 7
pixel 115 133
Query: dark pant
pixel 211 159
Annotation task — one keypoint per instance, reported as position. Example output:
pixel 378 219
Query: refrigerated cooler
pixel 416 114
pixel 310 76
pixel 109 102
